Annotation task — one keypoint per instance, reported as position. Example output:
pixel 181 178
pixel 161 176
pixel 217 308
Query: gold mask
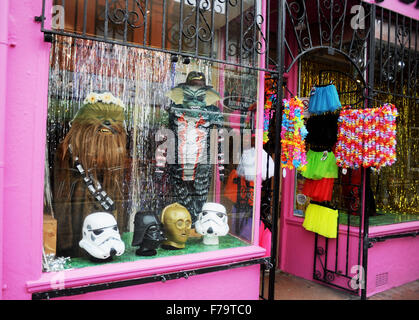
pixel 177 223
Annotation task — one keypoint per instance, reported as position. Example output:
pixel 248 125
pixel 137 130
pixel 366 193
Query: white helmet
pixel 101 238
pixel 212 222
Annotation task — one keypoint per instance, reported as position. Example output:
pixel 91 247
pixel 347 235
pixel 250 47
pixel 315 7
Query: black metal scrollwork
pixel 329 277
pixel 120 13
pixel 196 23
pixel 251 41
pixel 332 17
pixel 317 275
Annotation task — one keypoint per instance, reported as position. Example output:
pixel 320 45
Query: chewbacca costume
pixel 97 142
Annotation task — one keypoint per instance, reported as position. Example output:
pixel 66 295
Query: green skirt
pixel 320 165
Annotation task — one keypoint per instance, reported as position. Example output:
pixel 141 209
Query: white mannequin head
pixel 212 222
pixel 101 238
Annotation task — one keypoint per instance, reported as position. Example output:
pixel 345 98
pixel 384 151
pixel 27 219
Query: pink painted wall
pixel 25 119
pixel 25 115
pixel 299 251
pixel 408 10
pixel 393 262
pixel 4 42
pixel 229 285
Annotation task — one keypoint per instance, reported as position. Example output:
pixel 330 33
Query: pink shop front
pixel 141 154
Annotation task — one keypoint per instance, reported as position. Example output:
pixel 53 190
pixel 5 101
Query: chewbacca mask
pixel 97 142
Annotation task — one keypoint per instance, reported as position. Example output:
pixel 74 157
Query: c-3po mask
pixel 177 224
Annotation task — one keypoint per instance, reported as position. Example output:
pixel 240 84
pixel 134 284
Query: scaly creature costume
pixel 89 170
pixel 192 115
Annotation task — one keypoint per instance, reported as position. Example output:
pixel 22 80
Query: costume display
pixel 148 233
pixel 265 238
pixel 321 220
pixel 101 238
pixel 323 98
pixel 212 223
pixel 320 165
pixel 240 190
pixel 321 169
pixel 367 137
pixel 177 224
pixel 268 112
pixel 319 190
pixel 351 192
pixel 192 115
pixel 247 165
pixel 89 169
pixel 293 133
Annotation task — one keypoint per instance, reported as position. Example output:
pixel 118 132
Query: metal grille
pixel 225 31
pixel 396 55
pixel 381 279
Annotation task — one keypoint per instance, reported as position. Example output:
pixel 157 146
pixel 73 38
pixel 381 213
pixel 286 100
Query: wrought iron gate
pixel 380 48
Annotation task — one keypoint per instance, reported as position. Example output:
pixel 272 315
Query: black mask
pixel 148 233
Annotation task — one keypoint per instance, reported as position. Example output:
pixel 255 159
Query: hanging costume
pixel 192 115
pixel 367 138
pixel 321 169
pixel 321 220
pixel 293 133
pixel 240 190
pixel 89 170
pixel 323 98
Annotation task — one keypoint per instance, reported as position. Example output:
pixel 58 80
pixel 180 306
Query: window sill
pixel 142 268
pixel 374 231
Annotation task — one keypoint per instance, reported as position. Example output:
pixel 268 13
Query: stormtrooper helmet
pixel 101 238
pixel 212 223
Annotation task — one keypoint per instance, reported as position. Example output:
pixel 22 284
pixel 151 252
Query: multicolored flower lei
pixel 293 133
pixel 367 137
pixel 267 116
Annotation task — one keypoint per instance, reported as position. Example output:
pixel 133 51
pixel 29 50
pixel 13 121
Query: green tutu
pixel 320 165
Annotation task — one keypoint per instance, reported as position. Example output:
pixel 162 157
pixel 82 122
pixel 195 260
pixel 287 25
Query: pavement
pixel 290 287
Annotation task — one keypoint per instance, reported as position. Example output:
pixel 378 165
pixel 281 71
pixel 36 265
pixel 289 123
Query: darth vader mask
pixel 101 238
pixel 148 233
pixel 212 223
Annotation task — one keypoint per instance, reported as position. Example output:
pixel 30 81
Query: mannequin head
pixel 195 78
pixel 177 223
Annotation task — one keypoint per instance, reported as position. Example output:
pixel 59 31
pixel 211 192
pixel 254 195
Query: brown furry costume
pixel 98 138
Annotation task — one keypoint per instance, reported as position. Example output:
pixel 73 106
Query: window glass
pixel 225 30
pixel 145 157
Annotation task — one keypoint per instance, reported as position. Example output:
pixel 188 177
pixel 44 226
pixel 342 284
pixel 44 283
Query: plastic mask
pixel 101 238
pixel 212 223
pixel 177 223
